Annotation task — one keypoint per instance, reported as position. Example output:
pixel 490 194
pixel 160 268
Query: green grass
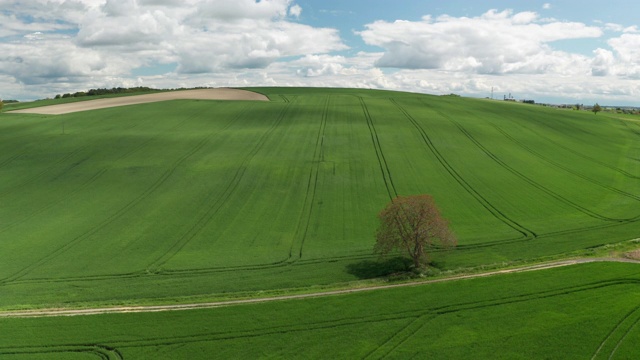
pixel 553 314
pixel 211 198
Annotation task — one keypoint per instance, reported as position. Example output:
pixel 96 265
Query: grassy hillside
pixel 191 198
pixel 552 314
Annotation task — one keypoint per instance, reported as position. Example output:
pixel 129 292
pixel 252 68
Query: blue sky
pixel 549 51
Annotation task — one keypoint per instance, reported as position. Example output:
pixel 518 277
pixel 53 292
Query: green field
pixel 550 314
pixel 185 199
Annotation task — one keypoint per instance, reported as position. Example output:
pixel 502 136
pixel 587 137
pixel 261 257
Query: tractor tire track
pixel 624 336
pixel 634 316
pixel 119 213
pixel 196 271
pixel 9 160
pixel 492 209
pixel 309 199
pixel 382 161
pixel 438 310
pixel 91 180
pixel 99 351
pixel 48 169
pixel 258 332
pixel 579 154
pixel 626 125
pixel 416 320
pixel 400 337
pixel 565 168
pixel 49 206
pixel 202 222
pixel 534 183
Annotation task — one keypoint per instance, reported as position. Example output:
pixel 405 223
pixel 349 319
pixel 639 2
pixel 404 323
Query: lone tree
pixel 596 109
pixel 413 224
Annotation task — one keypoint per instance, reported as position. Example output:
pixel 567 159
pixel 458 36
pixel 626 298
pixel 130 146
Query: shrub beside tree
pixel 413 225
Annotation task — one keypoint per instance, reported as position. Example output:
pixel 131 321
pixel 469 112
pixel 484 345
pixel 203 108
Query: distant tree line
pixel 115 90
pixel 2 102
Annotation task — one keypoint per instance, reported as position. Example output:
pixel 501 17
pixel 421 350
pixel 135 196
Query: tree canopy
pixel 413 224
pixel 596 108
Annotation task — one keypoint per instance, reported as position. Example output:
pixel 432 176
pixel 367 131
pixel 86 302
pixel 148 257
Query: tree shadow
pixel 369 269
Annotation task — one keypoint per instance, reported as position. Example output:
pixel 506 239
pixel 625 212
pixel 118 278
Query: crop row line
pixel 418 317
pixel 99 351
pixel 497 213
pixel 563 167
pixel 543 266
pixel 264 331
pixel 312 184
pixel 91 180
pixel 532 182
pixel 219 202
pixel 124 275
pixel 382 161
pixel 213 211
pixel 533 296
pixel 119 213
pixel 50 205
pixel 399 337
pixel 9 159
pixel 582 155
pixel 632 316
pixel 46 170
pixel 626 124
pixel 194 271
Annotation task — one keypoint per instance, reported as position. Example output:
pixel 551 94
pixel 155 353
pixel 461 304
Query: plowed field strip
pixel 200 94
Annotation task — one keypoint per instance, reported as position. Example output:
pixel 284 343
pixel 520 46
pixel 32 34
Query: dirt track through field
pixel 199 94
pixel 208 305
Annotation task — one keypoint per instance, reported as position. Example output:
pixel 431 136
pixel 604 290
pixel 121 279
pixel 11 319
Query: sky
pixel 568 51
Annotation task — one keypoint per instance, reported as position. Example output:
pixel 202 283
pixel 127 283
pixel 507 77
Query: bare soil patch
pixel 199 94
pixel 635 255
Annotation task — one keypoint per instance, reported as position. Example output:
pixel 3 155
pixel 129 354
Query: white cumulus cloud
pixel 493 43
pixel 94 41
